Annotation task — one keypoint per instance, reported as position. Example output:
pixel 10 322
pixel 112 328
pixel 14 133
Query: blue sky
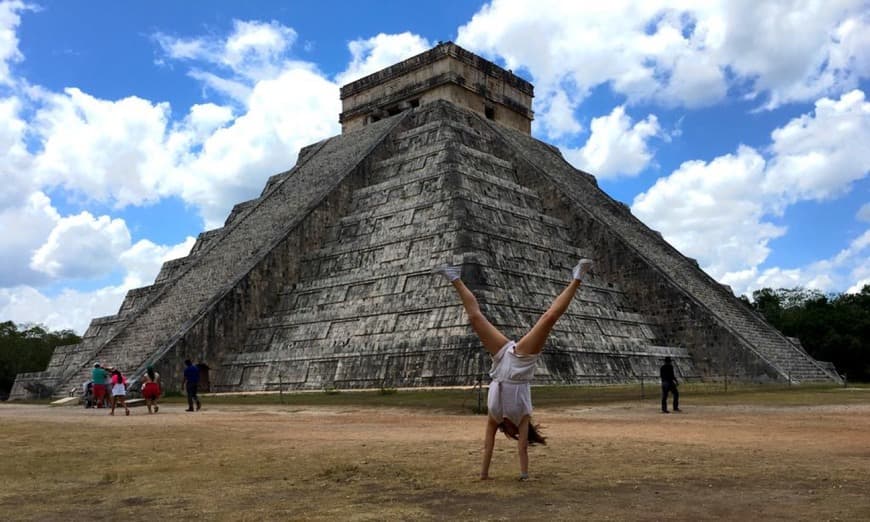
pixel 737 128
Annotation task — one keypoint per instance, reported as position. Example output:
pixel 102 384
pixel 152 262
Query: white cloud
pixel 237 91
pixel 18 241
pixel 719 211
pixel 678 52
pixel 758 43
pixel 863 213
pixel 15 165
pixel 128 152
pixel 375 53
pixel 71 309
pixel 818 156
pixel 204 119
pixel 74 309
pixel 713 211
pixel 557 114
pixel 234 162
pixel 9 53
pixel 616 146
pixel 108 151
pixel 253 50
pixel 142 261
pixel 849 269
pixel 82 246
pixel 254 46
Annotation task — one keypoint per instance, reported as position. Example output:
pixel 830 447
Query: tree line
pixel 27 348
pixel 832 327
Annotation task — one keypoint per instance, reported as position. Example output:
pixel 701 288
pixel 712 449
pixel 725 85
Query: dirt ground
pixel 621 461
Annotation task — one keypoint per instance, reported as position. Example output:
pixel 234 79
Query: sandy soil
pixel 614 462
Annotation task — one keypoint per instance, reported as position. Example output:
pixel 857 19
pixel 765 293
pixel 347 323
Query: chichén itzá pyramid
pixel 324 279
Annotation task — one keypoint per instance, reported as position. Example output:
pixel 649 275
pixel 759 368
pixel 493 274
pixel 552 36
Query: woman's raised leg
pixel 533 342
pixel 491 338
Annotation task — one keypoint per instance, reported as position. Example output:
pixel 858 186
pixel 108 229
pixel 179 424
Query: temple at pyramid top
pixel 445 72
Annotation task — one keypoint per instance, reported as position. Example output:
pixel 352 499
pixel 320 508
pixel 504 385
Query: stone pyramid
pixel 324 279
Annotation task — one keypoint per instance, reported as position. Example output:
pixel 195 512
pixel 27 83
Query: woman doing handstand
pixel 513 366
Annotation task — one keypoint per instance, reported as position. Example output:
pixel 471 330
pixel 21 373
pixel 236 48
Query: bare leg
pixel 488 445
pixel 533 342
pixel 490 336
pixel 523 447
pixel 114 403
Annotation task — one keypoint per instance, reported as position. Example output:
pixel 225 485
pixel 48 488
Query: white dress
pixel 119 389
pixel 510 394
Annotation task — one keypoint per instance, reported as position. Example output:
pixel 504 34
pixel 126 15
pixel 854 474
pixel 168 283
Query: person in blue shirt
pixel 190 384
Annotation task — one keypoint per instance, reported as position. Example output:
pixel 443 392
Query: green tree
pixel 832 328
pixel 27 349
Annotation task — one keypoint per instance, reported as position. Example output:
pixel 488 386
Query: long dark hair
pixel 511 431
pixel 150 372
pixel 118 373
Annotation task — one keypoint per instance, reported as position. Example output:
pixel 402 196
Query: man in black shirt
pixel 669 384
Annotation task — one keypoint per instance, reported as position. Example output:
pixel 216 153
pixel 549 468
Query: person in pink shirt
pixel 119 391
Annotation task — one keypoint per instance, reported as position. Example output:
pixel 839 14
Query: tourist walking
pixel 669 385
pixel 190 384
pixel 119 391
pixel 509 401
pixel 151 389
pixel 100 378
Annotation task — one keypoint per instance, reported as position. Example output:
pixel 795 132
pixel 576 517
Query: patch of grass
pixel 461 401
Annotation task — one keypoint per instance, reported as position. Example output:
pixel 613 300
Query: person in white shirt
pixel 509 402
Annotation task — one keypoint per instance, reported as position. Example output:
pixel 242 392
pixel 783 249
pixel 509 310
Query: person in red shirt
pixel 151 389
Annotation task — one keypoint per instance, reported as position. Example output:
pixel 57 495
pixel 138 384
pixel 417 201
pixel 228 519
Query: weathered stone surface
pixel 324 279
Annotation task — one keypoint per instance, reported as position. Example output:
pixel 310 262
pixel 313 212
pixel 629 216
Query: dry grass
pixel 799 454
